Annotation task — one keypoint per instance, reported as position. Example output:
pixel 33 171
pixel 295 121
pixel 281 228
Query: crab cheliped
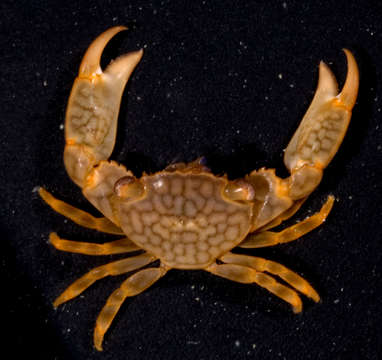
pixel 185 217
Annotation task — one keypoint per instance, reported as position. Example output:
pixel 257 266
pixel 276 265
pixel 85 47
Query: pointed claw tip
pixel 322 67
pixel 90 64
pixel 352 64
pixel 327 82
pixel 349 92
pixel 323 64
pixel 120 27
pixel 123 66
pixel 138 54
pixel 325 72
pixel 114 30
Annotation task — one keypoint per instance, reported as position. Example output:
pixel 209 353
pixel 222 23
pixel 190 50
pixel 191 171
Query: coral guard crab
pixel 185 217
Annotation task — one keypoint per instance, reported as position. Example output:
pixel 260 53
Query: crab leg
pixel 80 217
pixel 92 112
pixel 284 215
pixel 322 130
pixel 132 286
pixel 247 275
pixel 274 268
pixel 294 232
pixel 113 268
pixel 115 247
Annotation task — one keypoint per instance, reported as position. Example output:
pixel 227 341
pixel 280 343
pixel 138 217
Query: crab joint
pixel 128 187
pixel 239 190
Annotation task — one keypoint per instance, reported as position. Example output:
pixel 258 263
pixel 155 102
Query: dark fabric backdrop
pixel 226 79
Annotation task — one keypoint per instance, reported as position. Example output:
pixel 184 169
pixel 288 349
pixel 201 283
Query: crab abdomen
pixel 185 220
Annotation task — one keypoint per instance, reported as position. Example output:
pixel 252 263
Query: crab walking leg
pixel 80 217
pixel 132 286
pixel 269 238
pixel 284 216
pixel 274 268
pixel 114 247
pixel 113 268
pixel 321 131
pixel 247 275
pixel 92 111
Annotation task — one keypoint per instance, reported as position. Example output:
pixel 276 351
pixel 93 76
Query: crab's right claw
pixel 322 129
pixel 93 107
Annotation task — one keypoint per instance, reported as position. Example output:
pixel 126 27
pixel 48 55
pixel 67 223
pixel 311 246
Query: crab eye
pixel 128 187
pixel 239 190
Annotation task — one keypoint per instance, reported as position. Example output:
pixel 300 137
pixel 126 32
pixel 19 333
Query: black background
pixel 226 79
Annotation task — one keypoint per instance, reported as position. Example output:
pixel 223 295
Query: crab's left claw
pixel 322 130
pixel 92 112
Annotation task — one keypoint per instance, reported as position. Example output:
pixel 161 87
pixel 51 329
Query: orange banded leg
pixel 80 217
pixel 113 268
pixel 114 247
pixel 274 268
pixel 132 286
pixel 269 238
pixel 247 275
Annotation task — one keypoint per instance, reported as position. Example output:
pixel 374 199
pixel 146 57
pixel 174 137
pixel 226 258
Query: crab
pixel 185 217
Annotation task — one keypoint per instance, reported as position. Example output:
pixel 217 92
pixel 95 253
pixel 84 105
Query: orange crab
pixel 184 216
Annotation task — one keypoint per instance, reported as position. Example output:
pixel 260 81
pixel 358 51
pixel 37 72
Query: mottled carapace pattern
pixel 184 220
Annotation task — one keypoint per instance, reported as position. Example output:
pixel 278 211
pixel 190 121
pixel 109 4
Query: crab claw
pixel 93 107
pixel 322 129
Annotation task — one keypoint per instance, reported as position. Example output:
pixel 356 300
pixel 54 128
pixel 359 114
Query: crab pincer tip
pixel 90 64
pixel 349 92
